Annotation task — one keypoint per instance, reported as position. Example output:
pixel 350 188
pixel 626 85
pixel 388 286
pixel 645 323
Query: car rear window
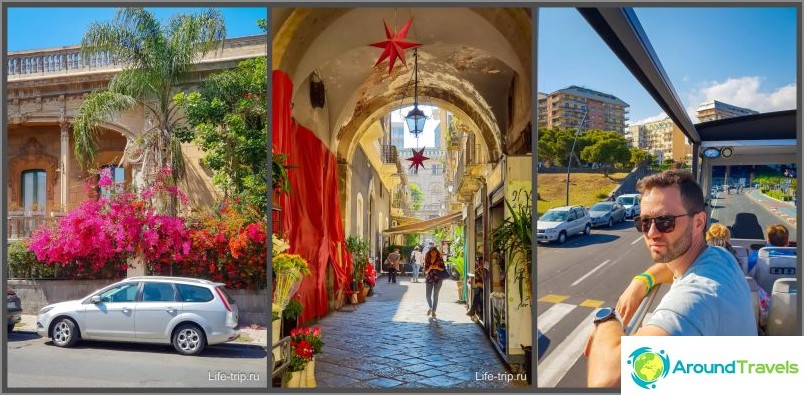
pixel 228 298
pixel 192 293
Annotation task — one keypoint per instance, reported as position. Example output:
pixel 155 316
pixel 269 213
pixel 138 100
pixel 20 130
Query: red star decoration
pixel 394 46
pixel 417 160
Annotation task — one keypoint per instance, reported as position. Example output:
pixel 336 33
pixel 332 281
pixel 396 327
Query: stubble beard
pixel 677 249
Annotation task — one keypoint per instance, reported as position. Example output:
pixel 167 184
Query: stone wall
pixel 35 294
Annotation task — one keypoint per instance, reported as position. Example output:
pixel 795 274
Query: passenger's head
pixel 778 235
pixel 396 249
pixel 672 216
pixel 718 235
pixel 416 248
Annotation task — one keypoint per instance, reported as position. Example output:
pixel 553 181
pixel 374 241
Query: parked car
pixel 14 309
pixel 607 213
pixel 631 203
pixel 188 313
pixel 561 222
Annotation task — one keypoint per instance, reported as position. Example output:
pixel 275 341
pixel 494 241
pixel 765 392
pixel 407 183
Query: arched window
pixel 359 211
pixel 34 190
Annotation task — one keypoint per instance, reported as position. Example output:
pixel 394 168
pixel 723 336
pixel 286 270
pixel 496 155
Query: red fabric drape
pixel 311 214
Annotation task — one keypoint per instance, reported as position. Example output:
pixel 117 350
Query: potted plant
pixel 457 263
pixel 311 336
pixel 301 353
pixel 290 316
pixel 513 238
pixel 359 249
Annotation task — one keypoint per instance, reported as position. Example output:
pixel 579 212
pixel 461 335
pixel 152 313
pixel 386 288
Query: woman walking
pixel 435 271
pixel 416 259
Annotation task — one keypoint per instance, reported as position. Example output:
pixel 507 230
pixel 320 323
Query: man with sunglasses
pixel 709 294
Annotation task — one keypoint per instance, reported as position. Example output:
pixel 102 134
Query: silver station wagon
pixel 186 312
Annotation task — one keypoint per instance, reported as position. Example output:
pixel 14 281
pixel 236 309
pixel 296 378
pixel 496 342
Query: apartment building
pixel 579 107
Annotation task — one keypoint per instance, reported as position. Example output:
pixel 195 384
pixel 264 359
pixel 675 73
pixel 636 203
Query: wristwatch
pixel 607 313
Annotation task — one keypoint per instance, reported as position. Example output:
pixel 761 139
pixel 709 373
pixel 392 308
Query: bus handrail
pixel 642 311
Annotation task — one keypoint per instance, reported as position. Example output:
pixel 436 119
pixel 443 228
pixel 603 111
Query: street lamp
pixel 416 118
pixel 569 161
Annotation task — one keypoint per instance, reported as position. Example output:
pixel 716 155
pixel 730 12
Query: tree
pixel 228 115
pixel 157 59
pixel 416 196
pixel 638 156
pixel 605 147
pixel 555 145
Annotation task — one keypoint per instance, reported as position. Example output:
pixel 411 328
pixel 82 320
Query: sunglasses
pixel 664 223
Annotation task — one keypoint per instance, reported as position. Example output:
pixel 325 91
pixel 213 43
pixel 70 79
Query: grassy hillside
pixel 585 189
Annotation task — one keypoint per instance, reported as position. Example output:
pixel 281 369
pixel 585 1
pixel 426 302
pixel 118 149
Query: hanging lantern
pixel 416 118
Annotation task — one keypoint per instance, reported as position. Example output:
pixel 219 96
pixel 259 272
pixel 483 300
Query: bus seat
pixel 752 284
pixel 742 258
pixel 770 267
pixel 782 316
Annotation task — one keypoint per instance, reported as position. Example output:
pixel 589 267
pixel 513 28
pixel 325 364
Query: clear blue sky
pixel 34 28
pixel 741 56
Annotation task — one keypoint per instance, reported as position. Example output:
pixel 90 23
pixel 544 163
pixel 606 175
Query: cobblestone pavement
pixel 388 342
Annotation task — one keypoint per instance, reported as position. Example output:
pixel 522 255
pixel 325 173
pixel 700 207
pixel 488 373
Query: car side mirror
pixel 95 299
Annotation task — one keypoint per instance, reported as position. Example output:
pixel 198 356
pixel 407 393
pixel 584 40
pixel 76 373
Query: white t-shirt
pixel 418 257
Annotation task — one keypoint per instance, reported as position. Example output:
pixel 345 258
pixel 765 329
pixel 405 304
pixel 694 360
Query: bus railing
pixel 642 311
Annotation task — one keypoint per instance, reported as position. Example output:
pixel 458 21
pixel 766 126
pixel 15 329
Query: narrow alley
pixel 389 342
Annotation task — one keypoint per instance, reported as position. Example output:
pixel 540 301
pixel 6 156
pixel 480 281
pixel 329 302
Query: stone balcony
pixel 21 65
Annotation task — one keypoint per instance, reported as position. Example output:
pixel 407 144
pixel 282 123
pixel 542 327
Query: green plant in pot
pixel 513 238
pixel 359 249
pixel 291 315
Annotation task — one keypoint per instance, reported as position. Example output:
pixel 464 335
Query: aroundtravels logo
pixel 648 366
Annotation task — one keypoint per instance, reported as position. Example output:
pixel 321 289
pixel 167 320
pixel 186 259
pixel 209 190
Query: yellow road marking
pixel 551 298
pixel 592 303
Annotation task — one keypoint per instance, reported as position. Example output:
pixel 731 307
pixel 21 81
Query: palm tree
pixel 157 59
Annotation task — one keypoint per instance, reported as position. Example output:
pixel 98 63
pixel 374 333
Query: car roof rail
pixel 169 278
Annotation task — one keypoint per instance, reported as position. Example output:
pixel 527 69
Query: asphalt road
pixel 589 272
pixel 745 218
pixel 34 362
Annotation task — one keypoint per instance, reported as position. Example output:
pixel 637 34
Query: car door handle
pixel 171 309
pixel 125 310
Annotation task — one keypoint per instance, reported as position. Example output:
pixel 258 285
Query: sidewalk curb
pixel 774 210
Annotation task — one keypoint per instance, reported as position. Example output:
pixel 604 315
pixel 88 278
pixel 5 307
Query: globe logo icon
pixel 648 366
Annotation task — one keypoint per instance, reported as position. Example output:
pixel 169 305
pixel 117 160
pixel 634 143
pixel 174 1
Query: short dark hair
pixel 691 194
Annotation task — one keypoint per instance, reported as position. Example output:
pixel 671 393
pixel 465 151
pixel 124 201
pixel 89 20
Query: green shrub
pixel 22 262
pixel 293 310
pixel 779 196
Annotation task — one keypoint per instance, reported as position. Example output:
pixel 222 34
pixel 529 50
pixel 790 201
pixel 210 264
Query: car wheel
pixel 189 339
pixel 611 222
pixel 588 230
pixel 64 333
pixel 562 237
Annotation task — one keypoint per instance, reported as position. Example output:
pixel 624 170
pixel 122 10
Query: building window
pixel 118 175
pixel 34 188
pixel 359 211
